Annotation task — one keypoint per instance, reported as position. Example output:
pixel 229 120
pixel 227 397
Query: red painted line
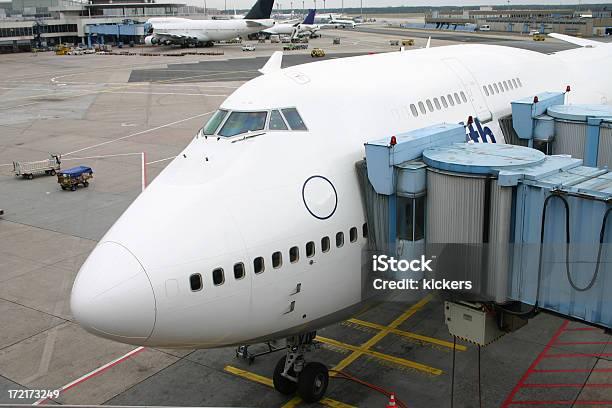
pixel 95 372
pixel 533 365
pixel 566 385
pixel 575 370
pixel 575 343
pixel 571 355
pixel 579 402
pixel 582 329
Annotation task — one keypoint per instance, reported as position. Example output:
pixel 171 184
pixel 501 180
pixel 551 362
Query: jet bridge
pixel 529 230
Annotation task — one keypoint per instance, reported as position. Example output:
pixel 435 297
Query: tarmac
pixel 105 111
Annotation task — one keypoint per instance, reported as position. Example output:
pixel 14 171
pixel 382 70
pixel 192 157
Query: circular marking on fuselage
pixel 320 197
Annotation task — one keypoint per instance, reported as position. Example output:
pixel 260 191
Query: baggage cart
pixel 71 178
pixel 29 169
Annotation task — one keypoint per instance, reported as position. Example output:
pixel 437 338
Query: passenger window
pixel 486 91
pixel 276 121
pixel 514 83
pixel 444 103
pixel 437 103
pixel 310 249
pixel 258 265
pixel 242 122
pixel 325 244
pixel 239 271
pixel 277 260
pixel 422 108
pixel 519 82
pixel 339 239
pixel 505 85
pixel 294 254
pixel 429 105
pixel 491 91
pixel 501 87
pixel 463 96
pixel 496 88
pixel 195 282
pixel 413 109
pixel 353 234
pixel 457 98
pixel 450 99
pixel 213 123
pixel 218 276
pixel 294 119
pixel 510 84
pixel 364 230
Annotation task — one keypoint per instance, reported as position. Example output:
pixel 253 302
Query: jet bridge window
pixel 218 276
pixel 422 107
pixel 506 85
pixel 444 103
pixel 429 105
pixel 276 121
pixel 242 122
pixel 294 119
pixel 437 103
pixel 491 91
pixel 463 96
pixel 486 91
pixel 213 123
pixel 195 282
pixel 411 218
pixel 457 98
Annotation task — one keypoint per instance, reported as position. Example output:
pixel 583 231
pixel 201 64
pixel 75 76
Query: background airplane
pixel 183 31
pixel 334 22
pixel 307 27
pixel 256 230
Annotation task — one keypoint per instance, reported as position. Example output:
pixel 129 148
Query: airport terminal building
pixel 29 23
pixel 564 21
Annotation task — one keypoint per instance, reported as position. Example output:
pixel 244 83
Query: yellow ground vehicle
pixel 317 52
pixel 407 42
pixel 62 50
pixel 539 37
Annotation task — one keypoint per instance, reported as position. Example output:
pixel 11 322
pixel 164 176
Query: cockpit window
pixel 294 119
pixel 276 121
pixel 242 122
pixel 213 123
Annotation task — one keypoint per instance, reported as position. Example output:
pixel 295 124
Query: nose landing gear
pixel 293 374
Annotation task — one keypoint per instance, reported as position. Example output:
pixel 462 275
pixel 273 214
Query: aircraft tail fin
pixel 261 10
pixel 273 64
pixel 310 17
pixel 575 40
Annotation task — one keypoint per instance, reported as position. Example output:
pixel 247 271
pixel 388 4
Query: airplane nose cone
pixel 112 295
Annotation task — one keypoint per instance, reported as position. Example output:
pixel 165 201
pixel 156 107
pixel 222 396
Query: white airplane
pixel 184 31
pixel 256 230
pixel 295 29
pixel 333 22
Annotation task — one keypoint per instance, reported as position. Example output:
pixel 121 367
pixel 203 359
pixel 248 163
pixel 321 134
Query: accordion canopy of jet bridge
pixel 523 226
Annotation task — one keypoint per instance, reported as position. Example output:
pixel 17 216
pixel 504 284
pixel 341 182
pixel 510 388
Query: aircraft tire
pixel 313 382
pixel 281 384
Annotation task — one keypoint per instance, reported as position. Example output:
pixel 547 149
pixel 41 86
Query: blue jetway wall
pixel 541 267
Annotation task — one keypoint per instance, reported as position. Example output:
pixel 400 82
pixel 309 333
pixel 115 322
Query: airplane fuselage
pixel 181 29
pixel 226 201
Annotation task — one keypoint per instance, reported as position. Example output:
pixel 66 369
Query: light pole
pixel 205 12
pixel 303 7
pixel 361 6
